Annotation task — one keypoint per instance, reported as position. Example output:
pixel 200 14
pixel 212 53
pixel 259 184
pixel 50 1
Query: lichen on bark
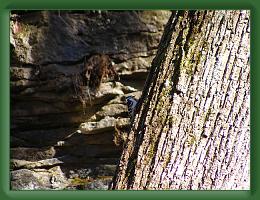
pixel 191 129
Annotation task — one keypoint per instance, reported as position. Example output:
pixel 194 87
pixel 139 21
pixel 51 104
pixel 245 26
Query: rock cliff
pixel 68 116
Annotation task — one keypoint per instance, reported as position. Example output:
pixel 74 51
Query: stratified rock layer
pixel 50 127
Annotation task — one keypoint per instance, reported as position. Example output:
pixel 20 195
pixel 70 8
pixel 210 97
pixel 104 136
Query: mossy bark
pixel 191 129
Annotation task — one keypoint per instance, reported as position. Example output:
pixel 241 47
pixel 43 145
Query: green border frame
pixel 7 5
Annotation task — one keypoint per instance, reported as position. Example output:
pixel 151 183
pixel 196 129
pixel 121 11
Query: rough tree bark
pixel 191 129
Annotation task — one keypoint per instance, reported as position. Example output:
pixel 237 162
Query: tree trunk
pixel 191 128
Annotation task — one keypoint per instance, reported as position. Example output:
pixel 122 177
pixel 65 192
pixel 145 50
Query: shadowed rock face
pixel 49 52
